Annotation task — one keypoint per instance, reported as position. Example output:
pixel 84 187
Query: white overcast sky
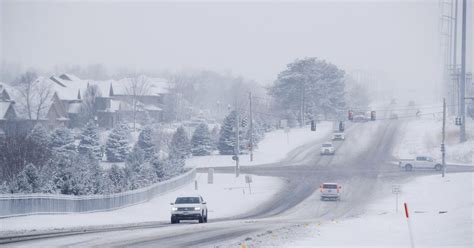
pixel 398 39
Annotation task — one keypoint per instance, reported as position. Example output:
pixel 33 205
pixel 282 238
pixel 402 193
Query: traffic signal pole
pixel 237 144
pixel 251 127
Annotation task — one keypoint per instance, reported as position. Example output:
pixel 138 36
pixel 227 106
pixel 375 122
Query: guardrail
pixel 12 205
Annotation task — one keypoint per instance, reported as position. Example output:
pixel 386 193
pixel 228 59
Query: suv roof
pixel 330 183
pixel 190 195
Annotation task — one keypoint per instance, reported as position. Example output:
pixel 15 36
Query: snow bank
pixel 228 196
pixel 273 148
pixel 440 212
pixel 423 137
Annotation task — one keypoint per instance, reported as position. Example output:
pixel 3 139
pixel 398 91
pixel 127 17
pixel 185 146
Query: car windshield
pixel 327 145
pixel 329 186
pixel 187 200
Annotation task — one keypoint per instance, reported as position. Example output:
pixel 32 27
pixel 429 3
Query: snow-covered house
pixel 114 104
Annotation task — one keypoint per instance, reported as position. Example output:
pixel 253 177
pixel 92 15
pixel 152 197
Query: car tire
pixel 174 220
pixel 437 167
pixel 408 167
pixel 201 219
pixel 205 218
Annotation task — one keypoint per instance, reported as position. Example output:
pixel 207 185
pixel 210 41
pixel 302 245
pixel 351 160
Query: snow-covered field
pixel 423 137
pixel 273 148
pixel 226 197
pixel 441 213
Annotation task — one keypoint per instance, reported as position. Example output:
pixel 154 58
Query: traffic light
pixel 458 121
pixel 313 125
pixel 372 115
pixel 350 115
pixel 341 126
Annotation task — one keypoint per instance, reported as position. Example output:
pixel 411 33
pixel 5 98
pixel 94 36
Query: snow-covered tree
pixel 32 177
pixel 201 143
pixel 160 167
pixel 117 178
pixel 180 147
pixel 227 139
pixel 89 141
pixel 312 85
pixel 145 142
pixel 20 184
pixel 39 145
pixel 62 140
pixel 117 147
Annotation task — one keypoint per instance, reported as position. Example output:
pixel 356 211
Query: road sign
pixel 396 189
pixel 248 179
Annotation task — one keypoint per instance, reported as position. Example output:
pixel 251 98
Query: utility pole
pixel 455 51
pixel 462 88
pixel 443 151
pixel 251 127
pixel 237 144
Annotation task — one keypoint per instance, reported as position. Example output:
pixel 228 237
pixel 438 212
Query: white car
pixel 338 136
pixel 331 191
pixel 189 208
pixel 327 149
pixel 420 162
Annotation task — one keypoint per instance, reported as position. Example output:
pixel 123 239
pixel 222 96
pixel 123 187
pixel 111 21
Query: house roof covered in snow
pixel 70 87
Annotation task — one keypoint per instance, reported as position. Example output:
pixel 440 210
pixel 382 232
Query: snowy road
pixel 357 168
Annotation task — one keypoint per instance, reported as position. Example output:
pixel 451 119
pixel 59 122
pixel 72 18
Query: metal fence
pixel 19 204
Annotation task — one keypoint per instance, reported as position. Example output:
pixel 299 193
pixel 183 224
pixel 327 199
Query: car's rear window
pixel 187 200
pixel 327 145
pixel 329 186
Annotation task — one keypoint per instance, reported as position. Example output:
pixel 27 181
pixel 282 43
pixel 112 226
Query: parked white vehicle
pixel 420 162
pixel 338 136
pixel 327 149
pixel 330 191
pixel 188 208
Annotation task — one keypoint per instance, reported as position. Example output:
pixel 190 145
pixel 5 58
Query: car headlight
pixel 174 209
pixel 197 208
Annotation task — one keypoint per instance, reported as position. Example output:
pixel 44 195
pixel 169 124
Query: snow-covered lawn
pixel 273 148
pixel 441 213
pixel 423 137
pixel 228 196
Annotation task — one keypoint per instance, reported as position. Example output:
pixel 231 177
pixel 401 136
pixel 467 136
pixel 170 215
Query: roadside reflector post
pixel 412 243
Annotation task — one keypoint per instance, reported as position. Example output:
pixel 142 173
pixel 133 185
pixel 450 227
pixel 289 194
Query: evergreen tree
pixel 20 184
pixel 159 166
pixel 117 144
pixel 89 144
pixel 145 142
pixel 180 147
pixel 312 84
pixel 201 143
pixel 117 178
pixel 32 177
pixel 62 141
pixel 39 146
pixel 227 137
